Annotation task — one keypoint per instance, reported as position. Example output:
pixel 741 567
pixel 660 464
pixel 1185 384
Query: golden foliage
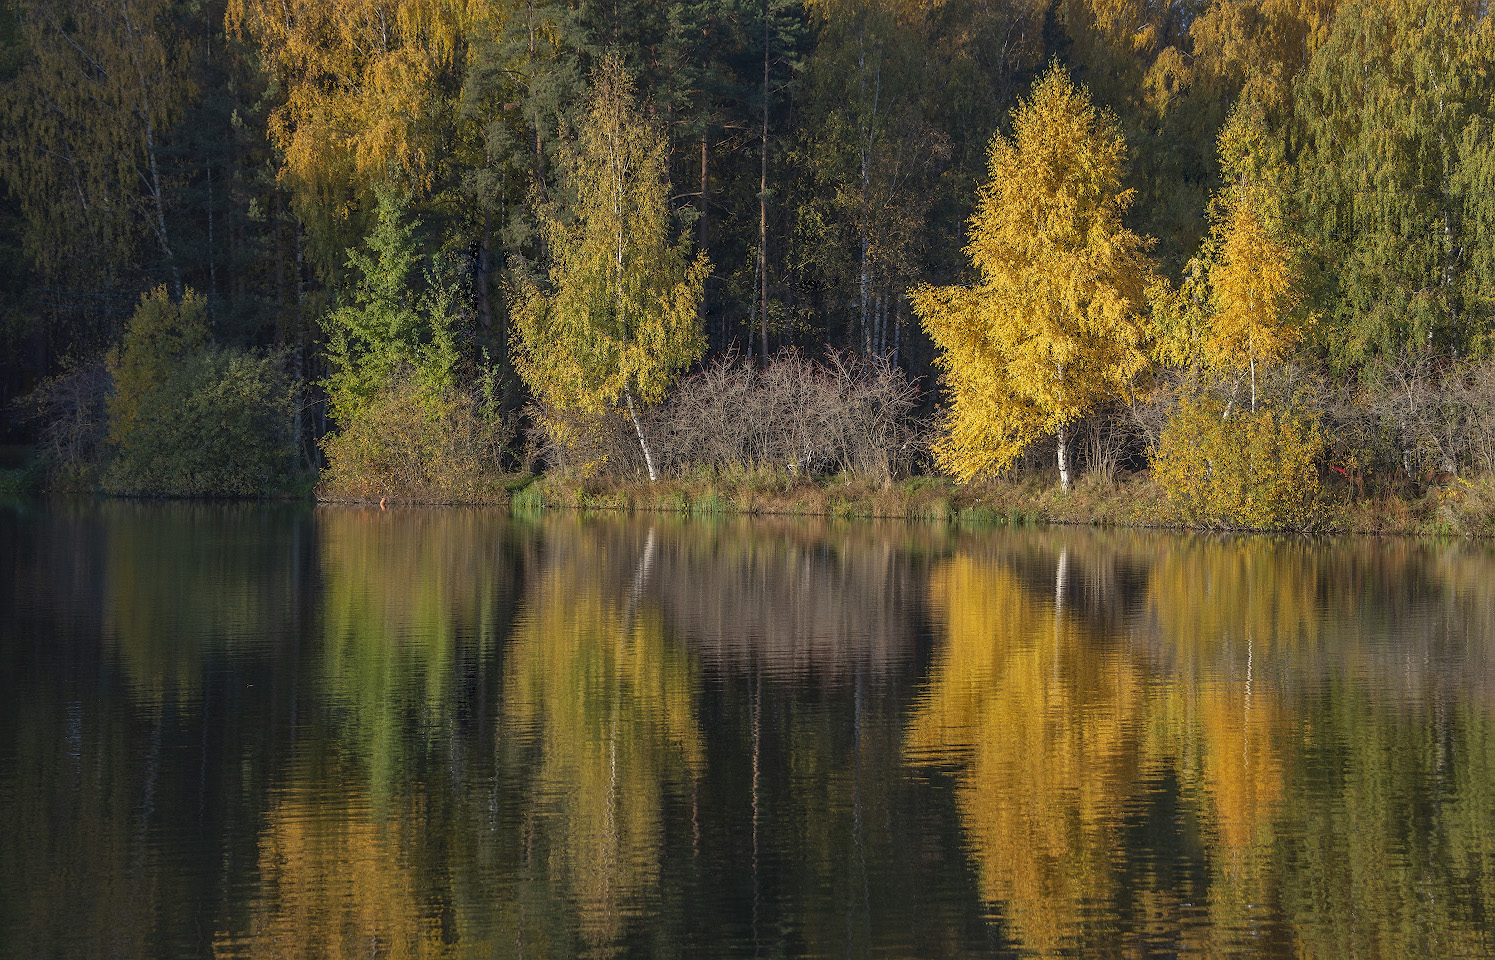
pixel 1256 283
pixel 609 700
pixel 1257 47
pixel 1245 469
pixel 361 82
pixel 1051 327
pixel 1241 301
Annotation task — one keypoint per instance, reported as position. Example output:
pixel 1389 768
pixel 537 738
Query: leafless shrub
pixel 844 415
pixel 1150 410
pixel 1106 437
pixel 1477 390
pixel 1420 404
pixel 71 410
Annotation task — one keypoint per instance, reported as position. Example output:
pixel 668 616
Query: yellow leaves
pixel 1254 48
pixel 361 81
pixel 1241 301
pixel 1256 293
pixel 1051 328
pixel 1251 469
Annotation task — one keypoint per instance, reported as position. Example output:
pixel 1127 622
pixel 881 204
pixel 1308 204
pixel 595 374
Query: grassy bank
pixel 1132 502
pixel 1461 509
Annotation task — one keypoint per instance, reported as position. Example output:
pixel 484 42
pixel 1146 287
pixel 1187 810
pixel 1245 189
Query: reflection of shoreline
pixel 1390 615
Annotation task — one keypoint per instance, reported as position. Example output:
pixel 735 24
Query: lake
pixel 254 731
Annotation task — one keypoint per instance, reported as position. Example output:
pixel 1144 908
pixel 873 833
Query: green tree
pixel 397 319
pixel 191 418
pixel 1389 159
pixel 619 320
pixel 1051 327
pixel 86 117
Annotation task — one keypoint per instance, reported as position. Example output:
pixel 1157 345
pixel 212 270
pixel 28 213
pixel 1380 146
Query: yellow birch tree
pixel 1256 290
pixel 1051 327
pixel 619 321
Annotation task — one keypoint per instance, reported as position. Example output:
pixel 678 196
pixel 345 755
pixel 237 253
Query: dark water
pixel 280 732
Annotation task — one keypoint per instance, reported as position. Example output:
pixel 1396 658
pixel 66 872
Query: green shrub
pixel 187 418
pixel 1252 470
pixel 528 499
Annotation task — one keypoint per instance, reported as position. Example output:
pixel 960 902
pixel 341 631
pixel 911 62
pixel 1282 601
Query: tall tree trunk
pixel 703 230
pixel 638 428
pixel 153 183
pixel 864 281
pixel 212 266
pixel 897 331
pixel 485 308
pixel 1064 458
pixel 763 193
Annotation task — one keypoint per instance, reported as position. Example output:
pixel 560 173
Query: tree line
pixel 1053 210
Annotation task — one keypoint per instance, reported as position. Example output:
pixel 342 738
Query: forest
pixel 1243 249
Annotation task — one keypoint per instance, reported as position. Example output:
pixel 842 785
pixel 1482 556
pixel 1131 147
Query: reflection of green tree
pixel 606 700
pixel 1376 869
pixel 403 591
pixel 184 583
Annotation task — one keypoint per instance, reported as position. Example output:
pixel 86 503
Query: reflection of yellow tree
pixel 400 589
pixel 1059 729
pixel 1052 737
pixel 335 881
pixel 610 703
pixel 1249 593
pixel 1226 610
pixel 1332 825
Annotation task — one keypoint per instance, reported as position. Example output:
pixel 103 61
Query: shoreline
pixel 1464 509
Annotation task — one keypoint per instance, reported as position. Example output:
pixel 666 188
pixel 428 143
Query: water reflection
pixel 413 605
pixel 604 699
pixel 276 732
pixel 1257 752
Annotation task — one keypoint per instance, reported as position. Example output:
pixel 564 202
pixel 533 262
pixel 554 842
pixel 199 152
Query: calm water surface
pixel 257 732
